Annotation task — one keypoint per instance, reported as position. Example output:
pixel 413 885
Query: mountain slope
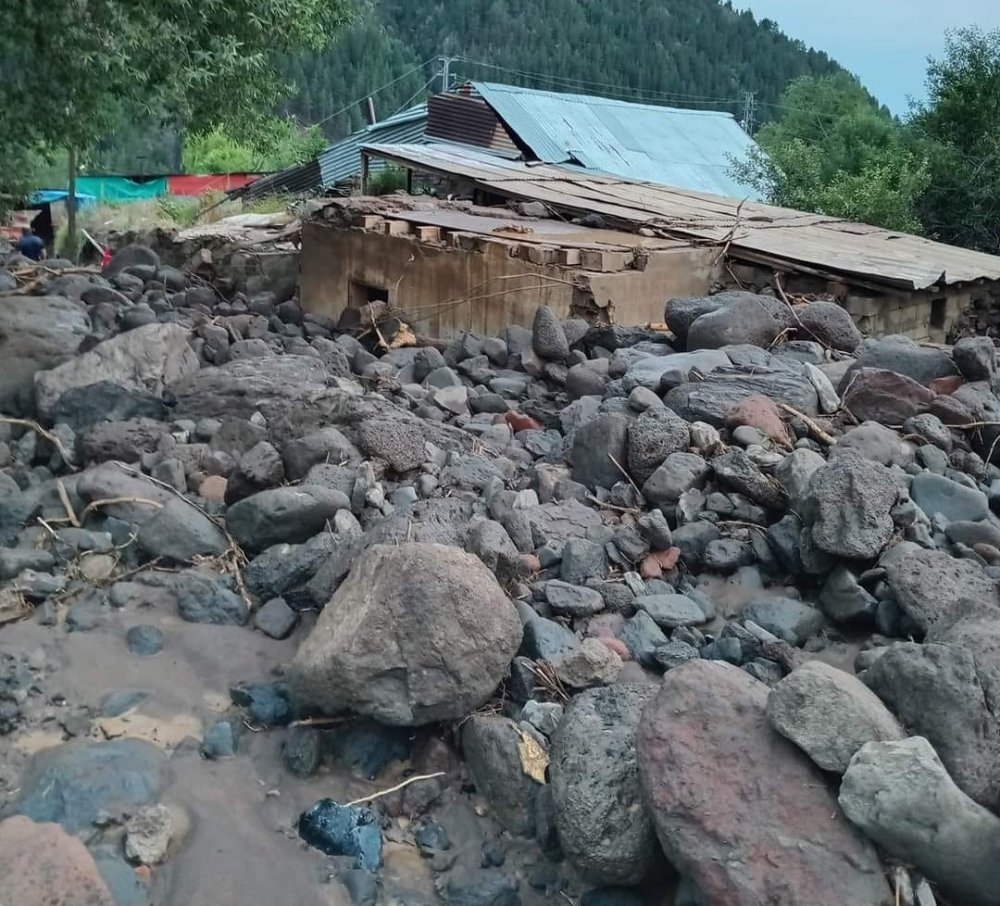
pixel 681 52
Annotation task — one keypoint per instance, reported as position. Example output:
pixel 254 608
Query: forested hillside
pixel 700 53
pixel 682 52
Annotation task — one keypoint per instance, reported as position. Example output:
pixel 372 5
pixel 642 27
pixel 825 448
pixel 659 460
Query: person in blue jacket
pixel 30 245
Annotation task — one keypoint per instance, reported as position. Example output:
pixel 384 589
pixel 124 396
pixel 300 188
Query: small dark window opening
pixel 938 308
pixel 361 294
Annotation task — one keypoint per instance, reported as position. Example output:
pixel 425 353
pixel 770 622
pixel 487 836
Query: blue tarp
pixel 48 196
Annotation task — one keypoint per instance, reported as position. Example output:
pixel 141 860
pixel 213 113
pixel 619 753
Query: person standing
pixel 30 245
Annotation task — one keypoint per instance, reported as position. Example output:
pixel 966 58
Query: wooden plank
pixel 428 233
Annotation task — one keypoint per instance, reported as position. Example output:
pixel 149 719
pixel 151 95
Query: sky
pixel 884 42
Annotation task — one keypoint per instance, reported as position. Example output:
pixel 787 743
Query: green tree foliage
pixel 70 70
pixel 365 56
pixel 833 150
pixel 700 53
pixel 959 130
pixel 684 52
pixel 278 143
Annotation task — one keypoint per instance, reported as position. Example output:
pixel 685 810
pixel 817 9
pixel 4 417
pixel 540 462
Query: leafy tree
pixel 834 151
pixel 959 127
pixel 278 143
pixel 69 69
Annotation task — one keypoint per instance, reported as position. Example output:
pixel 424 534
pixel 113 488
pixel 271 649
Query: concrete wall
pixel 481 286
pixel 928 316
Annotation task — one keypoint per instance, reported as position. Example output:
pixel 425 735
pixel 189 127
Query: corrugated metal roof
pixel 341 161
pixel 808 243
pixel 464 120
pixel 691 149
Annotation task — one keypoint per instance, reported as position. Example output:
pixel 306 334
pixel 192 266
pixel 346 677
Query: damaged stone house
pixel 603 209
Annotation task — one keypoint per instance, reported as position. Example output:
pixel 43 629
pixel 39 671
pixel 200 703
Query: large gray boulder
pixel 740 812
pixel 594 445
pixel 283 515
pixel 491 745
pixel 932 585
pixel 829 714
pixel 849 507
pixel 755 320
pixel 901 354
pixel 548 337
pixel 658 372
pixel 78 783
pixel 603 828
pixel 711 399
pixel 679 472
pixel 147 358
pixel 830 324
pixel 935 494
pixel 901 796
pixel 936 692
pixel 652 437
pixel 36 333
pixel 681 314
pixel 416 633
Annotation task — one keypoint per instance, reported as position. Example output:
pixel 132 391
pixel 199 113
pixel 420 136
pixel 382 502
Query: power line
pixel 416 94
pixel 585 82
pixel 368 94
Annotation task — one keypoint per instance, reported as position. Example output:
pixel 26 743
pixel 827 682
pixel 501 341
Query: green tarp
pixel 118 189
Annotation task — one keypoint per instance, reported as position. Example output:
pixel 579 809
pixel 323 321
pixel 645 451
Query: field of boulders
pixel 598 615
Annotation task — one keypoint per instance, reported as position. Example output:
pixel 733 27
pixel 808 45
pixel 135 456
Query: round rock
pixel 145 640
pixel 416 633
pixel 603 828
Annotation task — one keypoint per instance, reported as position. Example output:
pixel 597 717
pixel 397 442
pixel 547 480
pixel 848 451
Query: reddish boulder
pixel 762 413
pixel 946 385
pixel 876 395
pixel 519 422
pixel 42 864
pixel 739 811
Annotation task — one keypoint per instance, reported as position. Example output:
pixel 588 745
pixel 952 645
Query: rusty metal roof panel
pixel 691 149
pixel 468 120
pixel 755 232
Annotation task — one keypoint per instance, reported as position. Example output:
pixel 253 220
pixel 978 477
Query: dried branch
pixel 395 788
pixel 813 427
pixel 64 498
pixel 48 435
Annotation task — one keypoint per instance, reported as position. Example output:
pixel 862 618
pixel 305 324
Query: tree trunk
pixel 71 244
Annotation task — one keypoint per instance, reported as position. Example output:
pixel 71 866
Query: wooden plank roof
pixel 754 232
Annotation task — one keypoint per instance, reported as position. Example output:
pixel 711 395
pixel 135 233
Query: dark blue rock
pixel 144 641
pixel 432 838
pixel 341 830
pixel 302 751
pixel 367 747
pixel 75 783
pixel 494 854
pixel 266 703
pixel 219 740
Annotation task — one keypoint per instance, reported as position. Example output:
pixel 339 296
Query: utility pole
pixel 445 64
pixel 749 112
